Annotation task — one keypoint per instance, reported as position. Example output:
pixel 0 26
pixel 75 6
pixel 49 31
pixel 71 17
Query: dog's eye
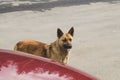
pixel 70 39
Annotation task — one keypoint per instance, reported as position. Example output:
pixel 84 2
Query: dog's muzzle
pixel 67 46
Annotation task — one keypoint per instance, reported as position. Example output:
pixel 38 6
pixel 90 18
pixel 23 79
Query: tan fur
pixel 55 51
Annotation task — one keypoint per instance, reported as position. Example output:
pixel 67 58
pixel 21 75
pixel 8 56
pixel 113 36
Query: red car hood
pixel 21 66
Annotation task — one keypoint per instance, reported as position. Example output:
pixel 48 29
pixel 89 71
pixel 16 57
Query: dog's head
pixel 65 39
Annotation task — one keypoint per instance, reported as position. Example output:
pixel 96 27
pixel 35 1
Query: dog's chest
pixel 58 55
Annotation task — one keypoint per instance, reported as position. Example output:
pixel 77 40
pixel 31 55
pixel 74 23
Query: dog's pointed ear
pixel 71 31
pixel 59 33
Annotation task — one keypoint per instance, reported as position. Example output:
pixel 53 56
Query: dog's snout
pixel 68 46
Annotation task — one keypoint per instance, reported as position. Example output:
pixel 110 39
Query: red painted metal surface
pixel 21 66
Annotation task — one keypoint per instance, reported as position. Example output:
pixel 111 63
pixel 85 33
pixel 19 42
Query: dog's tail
pixel 16 48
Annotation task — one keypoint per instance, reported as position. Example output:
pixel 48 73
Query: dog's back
pixel 32 47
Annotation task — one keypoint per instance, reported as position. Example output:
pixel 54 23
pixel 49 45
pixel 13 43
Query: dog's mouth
pixel 67 46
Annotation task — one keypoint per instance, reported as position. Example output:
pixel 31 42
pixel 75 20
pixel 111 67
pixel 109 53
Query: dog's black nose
pixel 67 46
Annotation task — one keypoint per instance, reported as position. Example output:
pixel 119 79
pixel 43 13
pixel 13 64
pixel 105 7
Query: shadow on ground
pixel 43 5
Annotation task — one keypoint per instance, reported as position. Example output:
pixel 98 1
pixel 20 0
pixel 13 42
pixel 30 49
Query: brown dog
pixel 58 50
